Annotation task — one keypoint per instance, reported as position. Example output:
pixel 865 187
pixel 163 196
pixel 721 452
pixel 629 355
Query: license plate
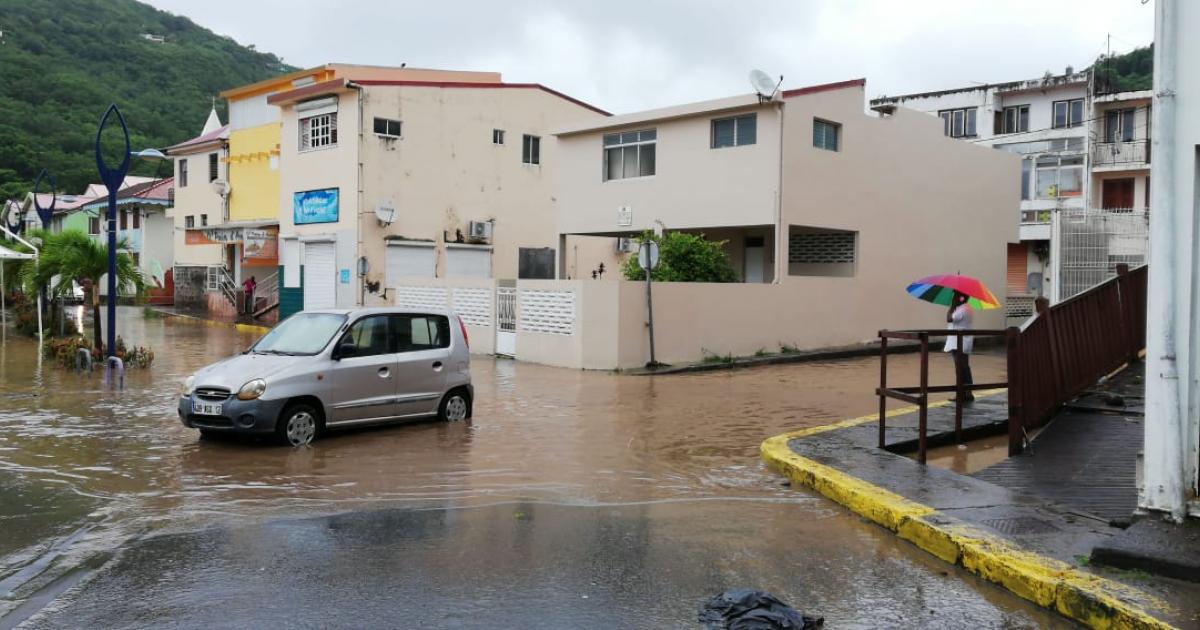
pixel 201 408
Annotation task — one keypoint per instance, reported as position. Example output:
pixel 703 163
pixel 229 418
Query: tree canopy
pixel 1129 72
pixel 684 257
pixel 62 62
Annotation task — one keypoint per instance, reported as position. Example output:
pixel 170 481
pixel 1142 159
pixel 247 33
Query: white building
pixel 1046 122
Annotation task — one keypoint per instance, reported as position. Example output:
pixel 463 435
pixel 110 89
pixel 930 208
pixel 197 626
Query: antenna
pixel 386 213
pixel 764 84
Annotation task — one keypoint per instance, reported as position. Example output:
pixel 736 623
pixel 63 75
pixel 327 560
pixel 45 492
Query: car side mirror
pixel 345 349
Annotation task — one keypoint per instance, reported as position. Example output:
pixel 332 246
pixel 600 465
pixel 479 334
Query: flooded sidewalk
pixel 93 477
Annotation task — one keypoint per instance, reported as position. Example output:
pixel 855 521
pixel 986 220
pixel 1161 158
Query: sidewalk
pixel 199 318
pixel 1023 542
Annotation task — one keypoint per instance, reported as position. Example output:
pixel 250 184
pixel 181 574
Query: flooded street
pixel 556 467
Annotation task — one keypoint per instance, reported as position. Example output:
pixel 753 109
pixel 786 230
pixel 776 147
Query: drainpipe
pixel 359 249
pixel 780 238
pixel 1165 436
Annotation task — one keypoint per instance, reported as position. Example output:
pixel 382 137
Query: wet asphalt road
pixel 574 499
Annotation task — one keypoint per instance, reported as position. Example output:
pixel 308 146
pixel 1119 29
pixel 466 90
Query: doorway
pixel 754 259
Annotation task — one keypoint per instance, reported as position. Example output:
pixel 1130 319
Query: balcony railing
pixel 1134 153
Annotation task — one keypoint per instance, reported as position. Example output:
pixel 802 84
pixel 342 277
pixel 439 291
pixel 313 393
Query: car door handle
pixel 383 372
pixel 437 365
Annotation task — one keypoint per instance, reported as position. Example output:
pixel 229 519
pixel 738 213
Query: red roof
pixel 340 83
pixel 824 87
pixel 219 134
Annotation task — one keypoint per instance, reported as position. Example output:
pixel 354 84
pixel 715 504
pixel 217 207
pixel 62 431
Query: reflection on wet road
pixel 676 456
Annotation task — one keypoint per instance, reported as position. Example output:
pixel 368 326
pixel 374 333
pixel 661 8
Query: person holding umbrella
pixel 963 295
pixel 959 317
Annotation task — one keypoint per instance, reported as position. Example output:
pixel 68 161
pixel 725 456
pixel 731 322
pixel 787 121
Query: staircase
pixel 266 296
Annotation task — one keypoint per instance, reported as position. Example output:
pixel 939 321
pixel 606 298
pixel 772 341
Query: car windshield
pixel 302 333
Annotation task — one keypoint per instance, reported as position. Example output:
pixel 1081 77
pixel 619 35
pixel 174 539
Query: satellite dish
pixel 764 84
pixel 221 186
pixel 386 213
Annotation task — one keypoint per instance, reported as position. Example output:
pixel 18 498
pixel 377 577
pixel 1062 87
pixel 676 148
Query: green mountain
pixel 62 62
pixel 1129 72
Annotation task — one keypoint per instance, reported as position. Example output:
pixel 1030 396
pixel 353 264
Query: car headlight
pixel 189 384
pixel 252 389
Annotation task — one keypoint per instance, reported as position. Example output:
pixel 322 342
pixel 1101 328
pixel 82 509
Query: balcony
pixel 1132 154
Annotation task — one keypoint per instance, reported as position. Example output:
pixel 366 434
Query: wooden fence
pixel 1066 348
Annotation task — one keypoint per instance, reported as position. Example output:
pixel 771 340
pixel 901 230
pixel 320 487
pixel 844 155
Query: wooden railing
pixel 1066 348
pixel 919 394
pixel 1060 352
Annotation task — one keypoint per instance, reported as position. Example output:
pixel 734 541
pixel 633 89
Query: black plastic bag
pixel 745 609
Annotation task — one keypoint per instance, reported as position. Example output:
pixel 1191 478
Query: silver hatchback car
pixel 337 368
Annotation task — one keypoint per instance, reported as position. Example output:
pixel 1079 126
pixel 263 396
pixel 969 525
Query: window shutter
pixel 723 133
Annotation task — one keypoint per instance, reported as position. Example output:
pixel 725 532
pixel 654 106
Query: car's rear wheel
pixel 455 406
pixel 298 425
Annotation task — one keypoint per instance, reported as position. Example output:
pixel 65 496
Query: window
pixel 1026 173
pixel 958 123
pixel 825 135
pixel 1059 176
pixel 368 337
pixel 94 224
pixel 214 161
pixel 630 154
pixel 203 220
pixel 734 132
pixel 421 332
pixel 387 127
pixel 137 219
pixel 318 131
pixel 1016 119
pixel 531 149
pixel 189 221
pixel 816 251
pixel 124 220
pixel 1068 113
pixel 497 136
pixel 182 173
pixel 1118 125
pixel 302 333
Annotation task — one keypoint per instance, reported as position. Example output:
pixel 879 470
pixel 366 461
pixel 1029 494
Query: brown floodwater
pixel 84 467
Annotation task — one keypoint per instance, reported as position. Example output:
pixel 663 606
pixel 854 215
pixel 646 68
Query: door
pixel 423 342
pixel 364 375
pixel 1117 194
pixel 468 262
pixel 753 259
pixel 1018 263
pixel 320 275
pixel 409 260
pixel 506 321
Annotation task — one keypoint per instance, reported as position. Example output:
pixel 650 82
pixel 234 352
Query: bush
pixel 684 257
pixel 63 350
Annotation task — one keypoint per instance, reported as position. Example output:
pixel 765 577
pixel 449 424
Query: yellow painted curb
pixel 1092 600
pixel 245 328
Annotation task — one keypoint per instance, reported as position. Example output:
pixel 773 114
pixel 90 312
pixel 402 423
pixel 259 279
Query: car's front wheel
pixel 298 424
pixel 455 406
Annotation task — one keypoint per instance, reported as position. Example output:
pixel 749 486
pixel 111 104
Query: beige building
pixel 388 175
pixel 828 213
pixel 198 163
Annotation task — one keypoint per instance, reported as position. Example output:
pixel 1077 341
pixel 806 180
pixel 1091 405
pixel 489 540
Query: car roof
pixel 376 310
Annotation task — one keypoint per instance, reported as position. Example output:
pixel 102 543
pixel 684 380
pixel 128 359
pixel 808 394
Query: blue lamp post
pixel 112 180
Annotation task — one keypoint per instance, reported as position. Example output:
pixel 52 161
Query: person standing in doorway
pixel 248 286
pixel 958 317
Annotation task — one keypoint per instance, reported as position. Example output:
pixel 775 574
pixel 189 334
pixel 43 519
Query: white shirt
pixel 960 320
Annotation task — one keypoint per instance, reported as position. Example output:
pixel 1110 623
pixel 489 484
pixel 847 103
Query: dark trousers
pixel 962 366
pixel 249 301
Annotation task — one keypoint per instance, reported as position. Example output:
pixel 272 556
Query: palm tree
pixel 73 255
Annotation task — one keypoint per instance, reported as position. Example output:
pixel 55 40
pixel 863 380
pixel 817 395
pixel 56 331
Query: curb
pixel 1094 601
pixel 246 328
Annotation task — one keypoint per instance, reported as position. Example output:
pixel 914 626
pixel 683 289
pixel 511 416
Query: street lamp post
pixel 112 180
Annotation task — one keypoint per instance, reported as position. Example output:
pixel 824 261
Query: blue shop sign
pixel 315 206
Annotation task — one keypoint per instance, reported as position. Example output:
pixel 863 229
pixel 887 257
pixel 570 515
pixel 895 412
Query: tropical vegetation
pixel 62 62
pixel 1128 72
pixel 72 258
pixel 683 257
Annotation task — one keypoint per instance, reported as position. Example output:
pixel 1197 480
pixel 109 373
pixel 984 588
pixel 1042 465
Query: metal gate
pixel 506 321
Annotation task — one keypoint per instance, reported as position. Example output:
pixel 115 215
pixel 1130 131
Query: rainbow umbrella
pixel 940 290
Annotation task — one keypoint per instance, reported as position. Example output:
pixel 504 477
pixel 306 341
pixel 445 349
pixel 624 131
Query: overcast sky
pixel 626 55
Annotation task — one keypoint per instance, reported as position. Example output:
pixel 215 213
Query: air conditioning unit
pixel 625 245
pixel 479 230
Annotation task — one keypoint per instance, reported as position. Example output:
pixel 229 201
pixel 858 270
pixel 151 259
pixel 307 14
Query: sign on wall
pixel 315 206
pixel 624 216
pixel 260 243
